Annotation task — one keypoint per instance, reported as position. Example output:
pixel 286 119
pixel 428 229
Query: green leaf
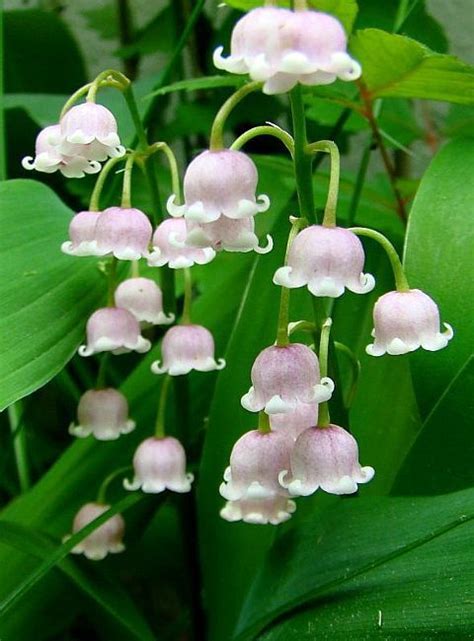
pixel 105 592
pixel 397 66
pixel 344 10
pixel 45 296
pixel 158 35
pixel 195 84
pixel 40 53
pixel 438 260
pixel 362 557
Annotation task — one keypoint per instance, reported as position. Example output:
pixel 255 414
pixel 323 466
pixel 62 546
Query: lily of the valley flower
pixel 185 348
pixel 115 330
pixel 170 247
pixel 143 298
pixel 102 413
pixel 106 539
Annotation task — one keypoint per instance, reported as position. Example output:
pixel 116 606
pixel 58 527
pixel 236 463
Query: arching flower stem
pixel 188 295
pixel 173 165
pixel 94 204
pixel 324 418
pixel 161 414
pixel 330 147
pixel 104 486
pixel 217 132
pixel 265 130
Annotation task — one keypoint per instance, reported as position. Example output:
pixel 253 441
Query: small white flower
pixel 115 330
pixel 106 539
pixel 185 348
pixel 143 298
pixel 102 413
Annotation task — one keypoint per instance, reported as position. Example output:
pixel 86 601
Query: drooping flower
pixel 102 413
pixel 143 298
pixel 51 157
pixel 82 237
pixel 284 376
pixel 92 127
pixel 299 419
pixel 115 330
pixel 219 183
pixel 405 321
pixel 326 260
pixel 326 458
pixel 185 348
pixel 160 464
pixel 256 461
pixel 226 234
pixel 106 539
pixel 124 233
pixel 282 48
pixel 170 247
pixel 273 509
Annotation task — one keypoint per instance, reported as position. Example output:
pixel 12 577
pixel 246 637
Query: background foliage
pixel 394 563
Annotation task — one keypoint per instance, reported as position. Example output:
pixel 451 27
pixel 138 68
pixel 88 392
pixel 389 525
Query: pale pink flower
pixel 405 321
pixel 115 330
pixel 124 233
pixel 82 239
pixel 160 464
pixel 272 509
pixel 226 234
pixel 219 183
pixel 102 413
pixel 299 419
pixel 185 348
pixel 326 260
pixel 170 247
pixel 106 539
pixel 326 458
pixel 283 377
pixel 143 298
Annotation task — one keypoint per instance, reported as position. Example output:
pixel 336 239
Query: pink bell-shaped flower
pixel 50 156
pixel 272 509
pixel 143 298
pixel 106 539
pixel 102 413
pixel 219 183
pixel 226 234
pixel 326 458
pixel 256 461
pixel 405 321
pixel 283 377
pixel 326 260
pixel 283 48
pixel 92 127
pixel 187 347
pixel 298 420
pixel 115 330
pixel 82 240
pixel 124 233
pixel 170 247
pixel 160 464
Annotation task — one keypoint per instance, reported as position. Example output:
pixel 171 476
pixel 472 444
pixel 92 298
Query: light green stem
pixel 265 130
pixel 101 381
pixel 127 182
pixel 94 204
pixel 302 160
pixel 401 281
pixel 109 77
pixel 161 414
pixel 188 296
pixel 173 165
pixel 355 365
pixel 324 419
pixel 264 423
pixel 74 98
pixel 111 277
pixel 217 132
pixel 330 147
pixel 102 493
pixel 19 446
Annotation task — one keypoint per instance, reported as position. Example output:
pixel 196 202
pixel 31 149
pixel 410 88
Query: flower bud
pixel 405 321
pixel 115 330
pixel 143 298
pixel 273 509
pixel 326 458
pixel 326 260
pixel 187 347
pixel 283 48
pixel 226 234
pixel 106 539
pixel 82 240
pixel 304 415
pixel 160 464
pixel 102 413
pixel 282 377
pixel 219 183
pixel 92 127
pixel 256 460
pixel 170 248
pixel 124 233
pixel 50 156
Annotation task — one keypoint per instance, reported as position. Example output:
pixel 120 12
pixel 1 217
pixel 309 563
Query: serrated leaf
pixel 397 66
pixel 45 296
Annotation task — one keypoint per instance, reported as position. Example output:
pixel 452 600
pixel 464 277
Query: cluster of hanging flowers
pixel 294 450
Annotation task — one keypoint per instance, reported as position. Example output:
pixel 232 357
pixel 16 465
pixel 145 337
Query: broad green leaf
pixel 106 593
pixel 344 10
pixel 195 84
pixel 364 556
pixel 46 296
pixel 158 35
pixel 41 56
pixel 397 66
